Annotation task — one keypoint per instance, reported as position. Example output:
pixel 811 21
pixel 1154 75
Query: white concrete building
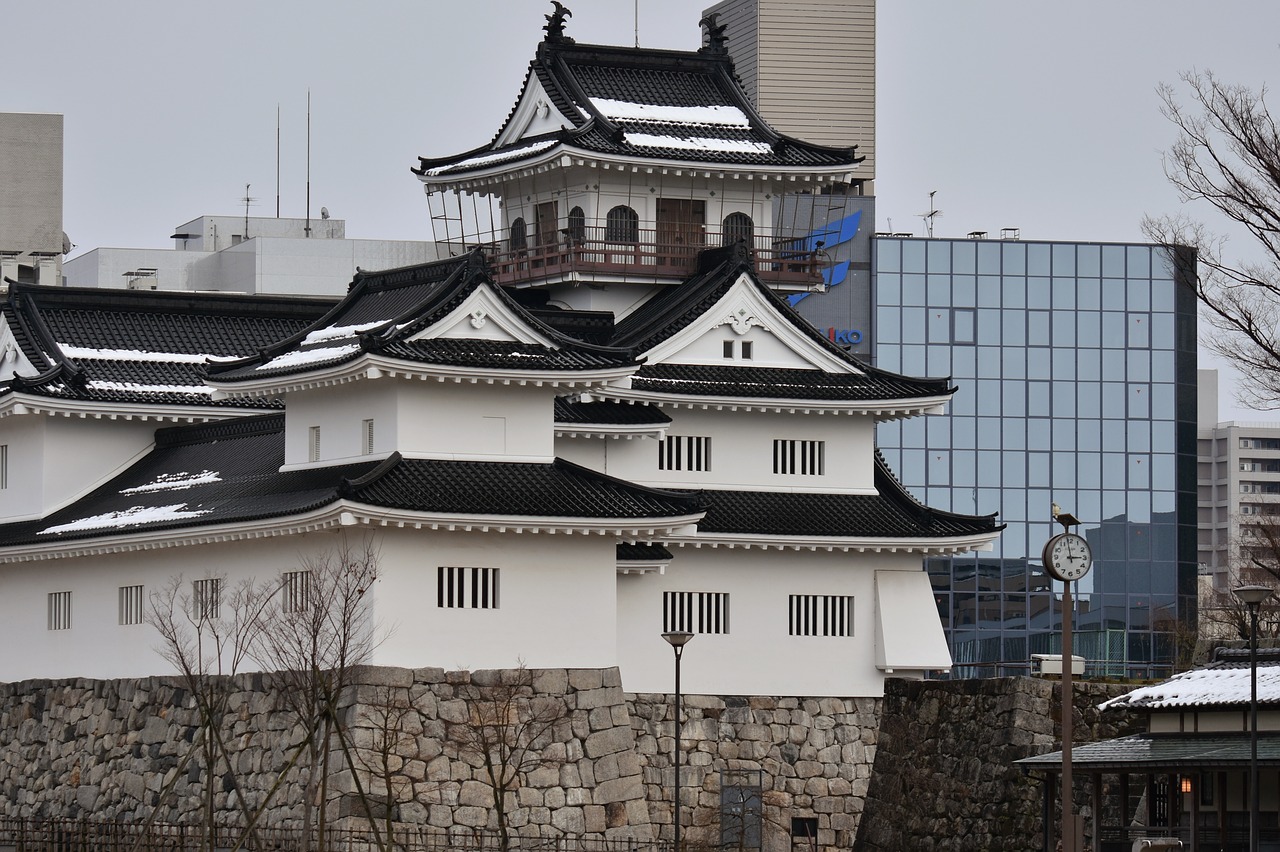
pixel 31 238
pixel 239 254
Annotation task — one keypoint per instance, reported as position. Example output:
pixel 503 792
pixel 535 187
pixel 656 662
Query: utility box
pixel 1050 665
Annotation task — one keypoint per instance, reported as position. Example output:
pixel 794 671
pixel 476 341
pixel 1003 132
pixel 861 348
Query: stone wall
pixel 944 776
pixel 929 767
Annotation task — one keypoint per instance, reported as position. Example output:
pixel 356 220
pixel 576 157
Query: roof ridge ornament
pixel 555 23
pixel 713 32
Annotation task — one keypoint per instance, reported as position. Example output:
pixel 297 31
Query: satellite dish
pixel 324 212
pixel 67 245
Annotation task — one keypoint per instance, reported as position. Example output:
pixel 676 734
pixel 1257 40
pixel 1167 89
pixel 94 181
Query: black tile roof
pixel 642 552
pixel 674 308
pixel 892 513
pixel 1155 752
pixel 228 472
pixel 127 346
pixel 578 77
pixel 605 413
pixel 384 310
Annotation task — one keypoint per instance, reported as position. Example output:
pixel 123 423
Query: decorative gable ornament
pixel 742 320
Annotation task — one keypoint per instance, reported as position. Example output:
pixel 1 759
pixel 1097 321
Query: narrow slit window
pixel 466 588
pixel 59 610
pixel 206 599
pixel 695 612
pixel 313 443
pixel 802 458
pixel 295 591
pixel 820 615
pixel 684 452
pixel 131 611
pixel 368 438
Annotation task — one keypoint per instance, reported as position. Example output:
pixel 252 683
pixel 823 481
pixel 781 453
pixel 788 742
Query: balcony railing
pixel 783 262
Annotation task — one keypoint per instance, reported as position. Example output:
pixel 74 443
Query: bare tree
pixel 506 731
pixel 205 633
pixel 1227 154
pixel 315 626
pixel 1256 562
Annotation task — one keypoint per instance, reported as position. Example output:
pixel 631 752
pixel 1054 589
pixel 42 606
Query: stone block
pixel 454 711
pixel 608 742
pixel 569 820
pixel 615 814
pixel 544 776
pixel 628 763
pixel 595 819
pixel 576 797
pixel 529 797
pixel 637 812
pixel 475 794
pixel 600 719
pixel 569 775
pixel 619 790
pixel 606 768
pixel 551 681
pixel 590 699
pixel 474 817
pixel 582 679
pixel 554 798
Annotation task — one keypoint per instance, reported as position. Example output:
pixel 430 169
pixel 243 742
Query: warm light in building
pixel 1186 783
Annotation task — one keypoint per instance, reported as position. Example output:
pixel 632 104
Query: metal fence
pixel 56 835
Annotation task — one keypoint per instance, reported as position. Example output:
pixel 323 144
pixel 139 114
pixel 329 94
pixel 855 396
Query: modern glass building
pixel 1076 368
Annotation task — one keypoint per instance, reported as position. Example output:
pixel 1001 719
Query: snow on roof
pixel 128 518
pixel 1211 686
pixel 309 356
pixel 334 332
pixel 132 355
pixel 722 116
pixel 175 482
pixel 496 157
pixel 134 387
pixel 697 143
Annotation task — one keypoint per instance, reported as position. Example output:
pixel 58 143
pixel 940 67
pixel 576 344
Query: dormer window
pixel 738 226
pixel 622 225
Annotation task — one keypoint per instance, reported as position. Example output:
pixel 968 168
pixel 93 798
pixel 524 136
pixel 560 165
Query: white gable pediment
pixel 535 114
pixel 12 361
pixel 743 315
pixel 484 316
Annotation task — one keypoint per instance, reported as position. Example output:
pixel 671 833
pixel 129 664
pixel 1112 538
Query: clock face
pixel 1067 557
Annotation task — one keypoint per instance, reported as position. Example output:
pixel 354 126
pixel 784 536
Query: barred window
pixel 684 452
pixel 313 443
pixel 821 615
pixel 131 611
pixel 466 588
pixel 4 466
pixel 206 598
pixel 806 458
pixel 295 591
pixel 59 610
pixel 695 612
pixel 367 449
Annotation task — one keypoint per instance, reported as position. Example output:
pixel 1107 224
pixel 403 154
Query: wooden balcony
pixel 784 264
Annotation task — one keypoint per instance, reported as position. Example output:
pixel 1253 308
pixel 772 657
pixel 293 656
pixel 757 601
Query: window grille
pixel 4 466
pixel 695 612
pixel 295 591
pixel 368 437
pixel 313 443
pixel 684 452
pixel 131 611
pixel 466 588
pixel 622 225
pixel 59 610
pixel 206 598
pixel 821 615
pixel 806 458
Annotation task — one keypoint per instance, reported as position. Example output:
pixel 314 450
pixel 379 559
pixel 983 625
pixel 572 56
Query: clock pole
pixel 1053 559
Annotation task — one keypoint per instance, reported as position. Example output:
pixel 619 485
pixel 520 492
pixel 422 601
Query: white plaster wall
pixel 54 459
pixel 742 452
pixel 421 418
pixel 766 349
pixel 557 601
pixel 757 656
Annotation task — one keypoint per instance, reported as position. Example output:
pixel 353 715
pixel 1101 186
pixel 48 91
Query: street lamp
pixel 1252 597
pixel 677 639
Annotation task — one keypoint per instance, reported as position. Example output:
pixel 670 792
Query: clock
pixel 1067 557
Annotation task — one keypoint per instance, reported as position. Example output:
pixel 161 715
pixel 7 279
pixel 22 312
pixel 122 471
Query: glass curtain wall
pixel 1075 365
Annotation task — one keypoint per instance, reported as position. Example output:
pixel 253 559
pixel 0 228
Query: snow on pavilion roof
pixel 228 473
pixel 643 104
pixel 384 314
pixel 1224 683
pixel 100 346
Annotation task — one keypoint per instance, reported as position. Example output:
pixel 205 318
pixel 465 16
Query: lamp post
pixel 1252 597
pixel 677 639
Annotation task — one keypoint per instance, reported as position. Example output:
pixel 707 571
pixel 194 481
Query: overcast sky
pixel 1036 115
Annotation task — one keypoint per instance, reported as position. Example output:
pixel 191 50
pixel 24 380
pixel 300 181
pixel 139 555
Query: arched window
pixel 622 225
pixel 577 227
pixel 519 236
pixel 738 226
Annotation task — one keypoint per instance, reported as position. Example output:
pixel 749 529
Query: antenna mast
pixel 933 213
pixel 307 228
pixel 277 161
pixel 637 17
pixel 247 200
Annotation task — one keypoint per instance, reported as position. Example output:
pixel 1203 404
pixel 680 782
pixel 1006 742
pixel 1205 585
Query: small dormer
pixel 618 165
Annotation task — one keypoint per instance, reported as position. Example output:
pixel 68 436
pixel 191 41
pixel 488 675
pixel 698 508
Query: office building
pixel 1075 365
pixel 31 238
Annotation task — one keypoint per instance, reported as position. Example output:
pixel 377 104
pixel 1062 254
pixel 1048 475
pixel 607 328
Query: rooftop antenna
pixel 277 160
pixel 246 201
pixel 307 228
pixel 933 213
pixel 637 18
